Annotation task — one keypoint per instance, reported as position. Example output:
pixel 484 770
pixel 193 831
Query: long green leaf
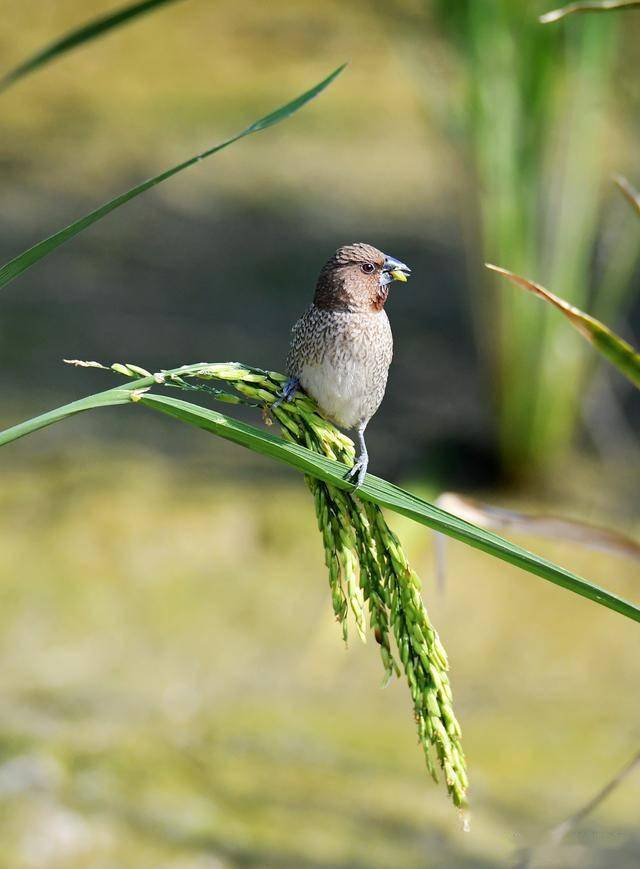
pixel 374 489
pixel 26 259
pixel 588 6
pixel 615 349
pixel 78 36
pixel 120 395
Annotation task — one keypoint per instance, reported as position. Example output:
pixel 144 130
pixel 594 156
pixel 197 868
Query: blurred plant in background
pixel 532 121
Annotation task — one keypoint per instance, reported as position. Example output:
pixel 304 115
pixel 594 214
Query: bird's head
pixel 357 278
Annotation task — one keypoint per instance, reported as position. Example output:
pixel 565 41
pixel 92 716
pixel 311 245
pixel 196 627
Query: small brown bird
pixel 342 346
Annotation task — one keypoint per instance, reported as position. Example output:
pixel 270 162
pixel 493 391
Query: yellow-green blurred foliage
pixel 176 693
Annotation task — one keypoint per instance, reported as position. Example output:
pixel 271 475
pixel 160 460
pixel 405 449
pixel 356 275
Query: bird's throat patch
pixel 380 299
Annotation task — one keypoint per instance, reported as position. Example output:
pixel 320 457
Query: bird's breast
pixel 342 362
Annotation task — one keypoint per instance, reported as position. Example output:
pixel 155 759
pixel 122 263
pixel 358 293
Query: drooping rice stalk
pixel 356 535
pixel 366 561
pixel 313 464
pixel 368 569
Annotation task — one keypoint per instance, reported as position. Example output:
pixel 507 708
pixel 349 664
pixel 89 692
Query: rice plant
pixel 368 569
pixel 374 489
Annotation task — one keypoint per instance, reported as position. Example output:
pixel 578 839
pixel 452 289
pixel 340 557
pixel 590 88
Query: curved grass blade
pixel 386 495
pixel 25 260
pixel 617 351
pixel 602 6
pixel 79 36
pixel 376 490
pixel 120 395
pixel 629 192
pixel 540 525
pixel 550 527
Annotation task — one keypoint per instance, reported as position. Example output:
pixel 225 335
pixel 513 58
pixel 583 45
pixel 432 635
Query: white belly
pixel 343 393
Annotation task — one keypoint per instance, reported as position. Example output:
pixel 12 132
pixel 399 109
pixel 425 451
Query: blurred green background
pixel 174 690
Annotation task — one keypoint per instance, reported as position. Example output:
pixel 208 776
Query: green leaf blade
pixel 26 259
pixel 376 490
pixel 618 352
pixel 75 38
pixel 387 495
pixel 110 398
pixel 614 348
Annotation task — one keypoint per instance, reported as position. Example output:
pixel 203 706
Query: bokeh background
pixel 174 689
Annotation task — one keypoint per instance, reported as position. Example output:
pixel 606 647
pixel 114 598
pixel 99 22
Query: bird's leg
pixel 358 472
pixel 288 391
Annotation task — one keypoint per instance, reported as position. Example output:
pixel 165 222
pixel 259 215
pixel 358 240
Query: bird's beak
pixel 394 270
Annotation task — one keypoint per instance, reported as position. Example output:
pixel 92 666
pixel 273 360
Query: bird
pixel 342 346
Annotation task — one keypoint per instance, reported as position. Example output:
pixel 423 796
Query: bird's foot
pixel 288 391
pixel 358 472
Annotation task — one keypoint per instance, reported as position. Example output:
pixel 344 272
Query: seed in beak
pixel 398 275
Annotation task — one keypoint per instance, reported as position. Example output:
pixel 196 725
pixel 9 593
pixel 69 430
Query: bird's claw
pixel 357 473
pixel 288 391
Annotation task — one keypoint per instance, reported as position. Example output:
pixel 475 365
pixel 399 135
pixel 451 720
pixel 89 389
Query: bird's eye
pixel 367 268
